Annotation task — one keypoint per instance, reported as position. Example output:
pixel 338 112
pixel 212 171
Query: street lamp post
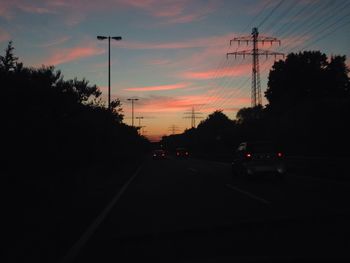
pixel 109 63
pixel 132 110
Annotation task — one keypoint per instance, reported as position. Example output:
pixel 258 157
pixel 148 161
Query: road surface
pixel 195 211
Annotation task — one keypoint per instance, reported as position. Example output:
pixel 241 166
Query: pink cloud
pixel 206 103
pixel 73 13
pixel 173 11
pixel 167 104
pixel 71 54
pixel 56 42
pixel 169 11
pixel 6 9
pixel 162 104
pixel 233 71
pixel 211 49
pixel 34 9
pixel 206 42
pixel 159 88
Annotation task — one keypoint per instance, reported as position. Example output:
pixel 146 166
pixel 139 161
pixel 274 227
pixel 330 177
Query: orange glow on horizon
pixel 159 88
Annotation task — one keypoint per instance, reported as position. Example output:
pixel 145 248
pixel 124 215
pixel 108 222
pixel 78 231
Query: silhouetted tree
pixel 65 121
pixel 216 132
pixel 309 100
pixel 338 82
pixel 304 77
pixel 249 115
pixel 9 61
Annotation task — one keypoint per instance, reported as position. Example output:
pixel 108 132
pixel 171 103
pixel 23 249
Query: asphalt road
pixel 195 211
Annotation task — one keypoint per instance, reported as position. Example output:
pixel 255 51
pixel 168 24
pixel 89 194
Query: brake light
pixel 280 154
pixel 248 155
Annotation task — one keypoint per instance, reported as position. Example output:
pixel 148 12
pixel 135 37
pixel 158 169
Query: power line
pixel 282 15
pixel 265 6
pixel 311 22
pixel 173 129
pixel 329 33
pixel 270 14
pixel 320 11
pixel 194 115
pixel 256 17
pixel 256 98
pixel 218 90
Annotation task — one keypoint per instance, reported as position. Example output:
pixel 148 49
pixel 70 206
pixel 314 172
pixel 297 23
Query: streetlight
pixel 109 63
pixel 132 109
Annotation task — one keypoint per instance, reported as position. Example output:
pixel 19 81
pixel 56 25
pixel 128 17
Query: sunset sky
pixel 173 53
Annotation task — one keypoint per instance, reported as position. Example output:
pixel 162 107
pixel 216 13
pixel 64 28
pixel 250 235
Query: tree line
pixel 307 111
pixel 50 123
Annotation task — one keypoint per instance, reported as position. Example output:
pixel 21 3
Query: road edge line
pixel 75 249
pixel 262 200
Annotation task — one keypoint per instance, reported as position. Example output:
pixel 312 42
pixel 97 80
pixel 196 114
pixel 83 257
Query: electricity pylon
pixel 256 98
pixel 193 116
pixel 173 129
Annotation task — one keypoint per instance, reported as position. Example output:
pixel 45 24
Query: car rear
pixel 182 153
pixel 262 157
pixel 159 154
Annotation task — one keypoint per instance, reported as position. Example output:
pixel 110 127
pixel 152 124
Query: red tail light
pixel 186 153
pixel 279 154
pixel 248 155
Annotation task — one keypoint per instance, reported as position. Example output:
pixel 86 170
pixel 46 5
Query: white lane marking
pixel 192 170
pixel 249 194
pixel 75 249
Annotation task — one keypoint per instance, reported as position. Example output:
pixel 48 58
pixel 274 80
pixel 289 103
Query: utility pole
pixel 109 63
pixel 256 98
pixel 132 109
pixel 173 129
pixel 193 117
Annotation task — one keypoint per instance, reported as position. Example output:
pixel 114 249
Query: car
pixel 182 153
pixel 258 157
pixel 159 154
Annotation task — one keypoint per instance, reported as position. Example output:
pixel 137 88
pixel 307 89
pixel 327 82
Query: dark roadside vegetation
pixel 64 156
pixel 307 114
pixel 65 153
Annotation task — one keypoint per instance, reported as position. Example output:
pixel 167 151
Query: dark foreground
pixel 194 211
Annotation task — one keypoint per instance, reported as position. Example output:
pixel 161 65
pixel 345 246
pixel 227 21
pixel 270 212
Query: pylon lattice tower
pixel 193 116
pixel 173 129
pixel 256 98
